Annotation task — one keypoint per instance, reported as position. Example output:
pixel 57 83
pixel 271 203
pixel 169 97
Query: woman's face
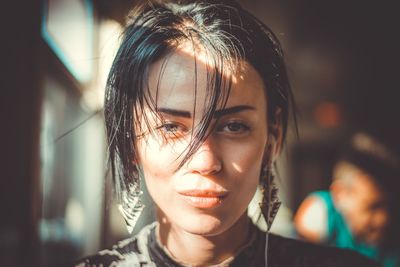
pixel 214 187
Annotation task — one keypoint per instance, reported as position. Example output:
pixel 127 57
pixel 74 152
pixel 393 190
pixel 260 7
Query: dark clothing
pixel 144 250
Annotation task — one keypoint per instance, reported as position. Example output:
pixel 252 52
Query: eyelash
pixel 174 130
pixel 165 129
pixel 243 127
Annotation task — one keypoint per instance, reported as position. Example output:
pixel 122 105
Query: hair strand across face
pixel 224 32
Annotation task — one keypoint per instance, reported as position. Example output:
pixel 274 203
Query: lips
pixel 203 199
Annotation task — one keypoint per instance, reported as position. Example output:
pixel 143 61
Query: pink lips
pixel 203 199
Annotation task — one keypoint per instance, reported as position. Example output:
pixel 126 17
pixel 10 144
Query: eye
pixel 234 127
pixel 172 130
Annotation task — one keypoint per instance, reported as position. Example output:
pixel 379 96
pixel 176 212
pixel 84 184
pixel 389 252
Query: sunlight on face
pixel 214 187
pixel 194 50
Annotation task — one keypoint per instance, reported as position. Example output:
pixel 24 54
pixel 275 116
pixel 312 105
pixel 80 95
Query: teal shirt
pixel 339 235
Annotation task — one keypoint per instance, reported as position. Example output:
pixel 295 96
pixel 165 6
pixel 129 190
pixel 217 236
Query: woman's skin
pixel 202 206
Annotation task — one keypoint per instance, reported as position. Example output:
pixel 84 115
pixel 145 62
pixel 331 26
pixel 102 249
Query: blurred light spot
pixel 328 115
pixel 75 218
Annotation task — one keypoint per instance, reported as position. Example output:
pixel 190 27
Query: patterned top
pixel 144 250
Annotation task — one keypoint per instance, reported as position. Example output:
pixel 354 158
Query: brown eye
pixel 234 128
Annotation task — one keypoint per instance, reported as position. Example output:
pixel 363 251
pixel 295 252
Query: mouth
pixel 203 199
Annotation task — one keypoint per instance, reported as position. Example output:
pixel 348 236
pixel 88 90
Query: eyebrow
pixel 218 113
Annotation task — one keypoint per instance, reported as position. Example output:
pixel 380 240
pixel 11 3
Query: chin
pixel 204 225
pixel 374 240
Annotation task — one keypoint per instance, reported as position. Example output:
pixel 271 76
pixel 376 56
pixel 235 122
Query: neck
pixel 198 250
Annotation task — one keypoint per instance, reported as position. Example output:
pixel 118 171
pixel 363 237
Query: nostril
pixel 212 169
pixel 205 162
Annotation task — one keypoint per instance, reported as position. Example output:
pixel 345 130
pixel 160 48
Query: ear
pixel 274 140
pixel 275 134
pixel 135 159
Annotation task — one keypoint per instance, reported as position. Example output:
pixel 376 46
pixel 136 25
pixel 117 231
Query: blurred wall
pixel 342 58
pixel 21 96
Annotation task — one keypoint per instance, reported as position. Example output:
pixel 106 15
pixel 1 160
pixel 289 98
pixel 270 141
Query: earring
pixel 270 202
pixel 131 206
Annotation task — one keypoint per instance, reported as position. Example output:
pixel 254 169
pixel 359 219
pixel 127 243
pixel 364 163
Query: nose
pixel 379 218
pixel 206 160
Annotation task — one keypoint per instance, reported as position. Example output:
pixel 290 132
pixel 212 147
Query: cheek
pixel 246 156
pixel 359 216
pixel 246 164
pixel 157 163
pixel 157 158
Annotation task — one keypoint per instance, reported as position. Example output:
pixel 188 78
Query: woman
pixel 197 106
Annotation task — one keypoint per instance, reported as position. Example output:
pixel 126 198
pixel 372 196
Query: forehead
pixel 184 80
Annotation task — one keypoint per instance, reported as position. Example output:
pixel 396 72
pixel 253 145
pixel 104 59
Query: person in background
pixel 360 211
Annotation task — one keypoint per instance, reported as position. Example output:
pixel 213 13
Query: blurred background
pixel 56 200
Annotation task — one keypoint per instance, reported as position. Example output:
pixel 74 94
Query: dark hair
pixel 225 30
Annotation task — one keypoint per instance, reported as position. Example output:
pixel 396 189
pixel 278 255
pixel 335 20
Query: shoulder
pixel 129 252
pixel 311 218
pixel 295 253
